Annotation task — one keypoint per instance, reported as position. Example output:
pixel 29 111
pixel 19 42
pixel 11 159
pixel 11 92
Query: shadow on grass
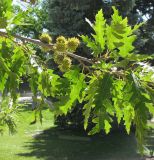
pixel 54 144
pixel 150 142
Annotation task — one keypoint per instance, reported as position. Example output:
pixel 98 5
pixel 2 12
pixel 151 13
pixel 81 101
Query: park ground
pixel 46 142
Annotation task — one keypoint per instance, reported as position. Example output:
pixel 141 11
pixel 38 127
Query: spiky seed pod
pixel 72 44
pixel 61 47
pixel 59 57
pixel 61 44
pixel 63 68
pixel 45 38
pixel 67 61
pixel 61 39
pixel 66 64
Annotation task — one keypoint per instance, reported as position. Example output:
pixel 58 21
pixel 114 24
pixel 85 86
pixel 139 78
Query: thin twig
pixel 84 66
pixel 80 58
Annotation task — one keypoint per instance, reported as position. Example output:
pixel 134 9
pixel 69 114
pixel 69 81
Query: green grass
pixel 12 145
pixel 49 146
pixel 150 139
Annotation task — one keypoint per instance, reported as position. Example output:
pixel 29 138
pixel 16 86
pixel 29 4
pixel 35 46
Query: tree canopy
pixel 115 82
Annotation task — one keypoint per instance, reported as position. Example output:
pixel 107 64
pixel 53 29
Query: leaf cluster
pixel 114 86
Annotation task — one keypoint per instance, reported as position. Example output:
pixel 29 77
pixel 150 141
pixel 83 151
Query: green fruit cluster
pixel 58 57
pixel 72 44
pixel 65 65
pixel 63 61
pixel 45 38
pixel 60 49
pixel 61 44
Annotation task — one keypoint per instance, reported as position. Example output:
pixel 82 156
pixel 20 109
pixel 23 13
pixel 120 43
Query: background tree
pixel 68 17
pixel 35 20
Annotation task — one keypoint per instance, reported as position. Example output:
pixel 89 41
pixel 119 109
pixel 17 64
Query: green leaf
pixel 17 61
pixel 104 90
pixel 91 44
pixel 115 17
pixel 107 126
pixel 98 44
pixel 137 26
pixel 120 35
pixel 94 130
pixel 150 106
pixel 77 85
pixel 90 90
pixel 4 65
pixel 3 79
pixel 127 46
pixel 98 97
pixel 3 22
pixel 87 110
pixel 76 88
pixel 99 28
pixel 141 123
pixel 118 97
pixel 48 83
pixel 139 57
pixel 129 115
pixel 55 82
pixel 33 81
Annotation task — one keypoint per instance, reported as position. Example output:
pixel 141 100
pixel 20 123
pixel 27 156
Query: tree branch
pixel 35 41
pixel 39 43
pixel 80 58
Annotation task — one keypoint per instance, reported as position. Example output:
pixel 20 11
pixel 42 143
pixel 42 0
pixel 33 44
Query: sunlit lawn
pixel 53 144
pixel 12 145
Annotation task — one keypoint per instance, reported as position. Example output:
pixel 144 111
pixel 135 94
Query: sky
pixel 23 5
